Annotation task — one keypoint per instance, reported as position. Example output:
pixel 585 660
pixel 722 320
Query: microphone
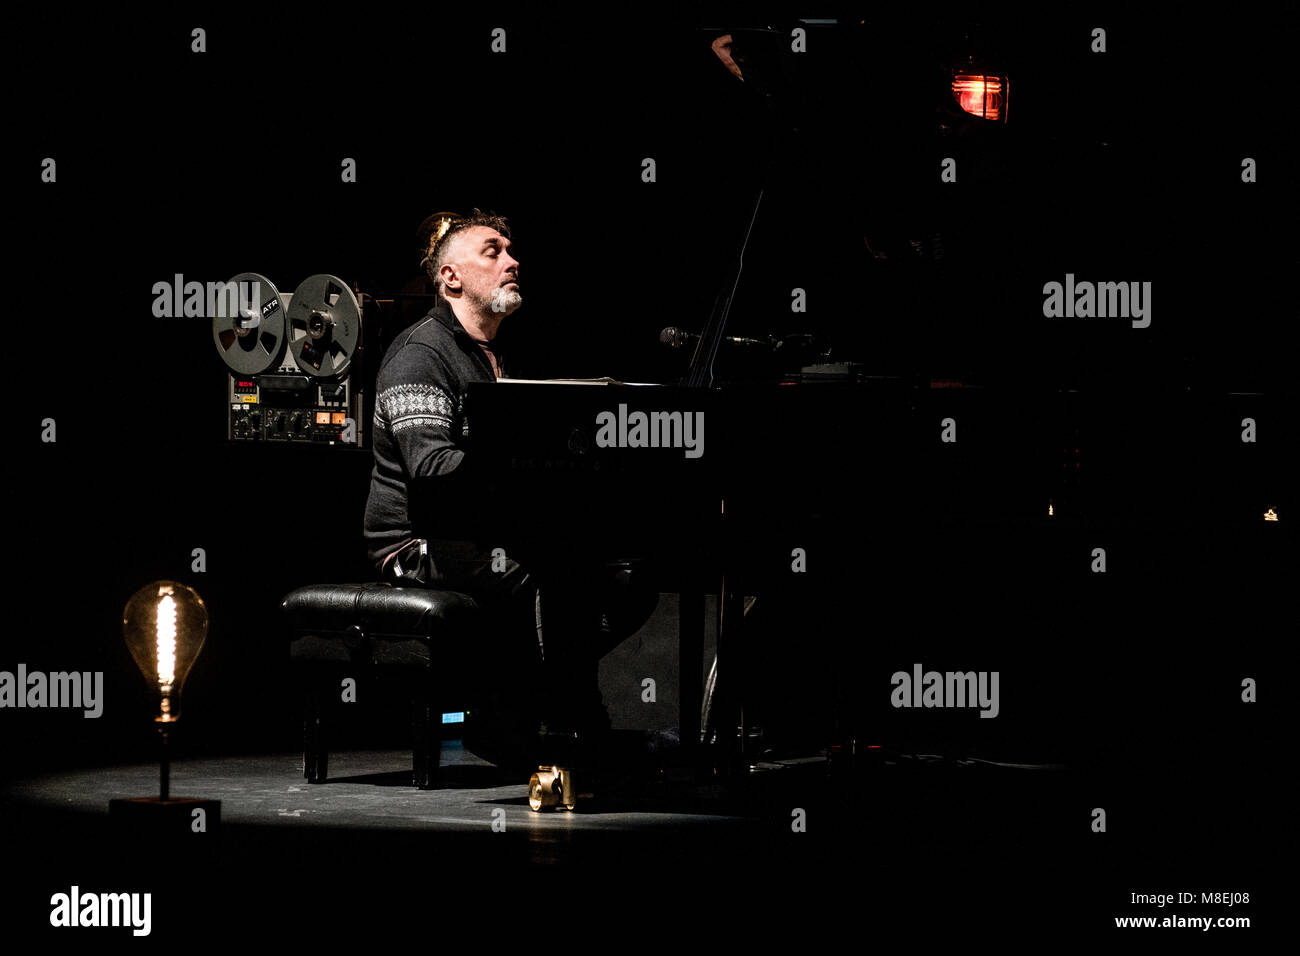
pixel 675 338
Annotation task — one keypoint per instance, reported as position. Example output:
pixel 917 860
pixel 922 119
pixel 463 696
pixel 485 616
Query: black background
pixel 1116 166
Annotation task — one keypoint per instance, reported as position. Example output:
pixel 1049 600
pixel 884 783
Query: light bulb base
pixel 191 825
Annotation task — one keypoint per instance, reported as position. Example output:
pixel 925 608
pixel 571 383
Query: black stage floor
pixel 903 841
pixel 368 791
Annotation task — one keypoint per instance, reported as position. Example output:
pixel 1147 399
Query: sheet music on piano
pixel 605 380
pixel 559 381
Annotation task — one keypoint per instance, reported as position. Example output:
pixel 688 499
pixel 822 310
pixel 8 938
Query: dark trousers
pixel 552 618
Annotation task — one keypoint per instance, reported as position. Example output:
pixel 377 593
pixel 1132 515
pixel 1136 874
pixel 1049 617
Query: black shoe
pixel 509 740
pixel 588 719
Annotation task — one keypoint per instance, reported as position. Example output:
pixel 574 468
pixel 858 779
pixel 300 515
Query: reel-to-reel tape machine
pixel 294 361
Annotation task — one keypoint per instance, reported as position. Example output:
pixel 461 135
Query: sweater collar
pixel 443 313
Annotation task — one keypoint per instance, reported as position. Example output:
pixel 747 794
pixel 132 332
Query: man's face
pixel 488 274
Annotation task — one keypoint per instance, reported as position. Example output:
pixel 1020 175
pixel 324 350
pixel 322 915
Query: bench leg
pixel 315 756
pixel 426 724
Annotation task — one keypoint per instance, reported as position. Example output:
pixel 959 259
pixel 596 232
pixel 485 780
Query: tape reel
pixel 324 326
pixel 252 341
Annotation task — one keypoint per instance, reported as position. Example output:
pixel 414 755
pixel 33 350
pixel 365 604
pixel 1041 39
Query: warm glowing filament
pixel 167 641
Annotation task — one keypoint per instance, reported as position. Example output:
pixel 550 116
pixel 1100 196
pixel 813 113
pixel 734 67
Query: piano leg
pixel 690 624
pixel 728 705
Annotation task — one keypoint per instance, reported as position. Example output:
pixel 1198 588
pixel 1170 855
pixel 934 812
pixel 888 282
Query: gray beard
pixel 503 303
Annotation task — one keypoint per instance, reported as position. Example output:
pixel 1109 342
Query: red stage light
pixel 982 95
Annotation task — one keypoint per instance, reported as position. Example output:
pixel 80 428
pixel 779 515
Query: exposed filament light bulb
pixel 165 625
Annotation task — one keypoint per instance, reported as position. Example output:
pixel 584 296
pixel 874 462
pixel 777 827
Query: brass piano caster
pixel 553 787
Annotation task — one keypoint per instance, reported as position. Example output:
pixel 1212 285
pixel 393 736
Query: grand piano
pixel 884 507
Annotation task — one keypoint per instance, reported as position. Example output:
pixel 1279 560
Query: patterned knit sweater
pixel 419 424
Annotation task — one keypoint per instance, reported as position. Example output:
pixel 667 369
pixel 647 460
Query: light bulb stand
pixel 164 764
pixel 188 824
pixel 164 625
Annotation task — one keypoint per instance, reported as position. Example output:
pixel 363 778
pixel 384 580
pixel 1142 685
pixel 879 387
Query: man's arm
pixel 417 401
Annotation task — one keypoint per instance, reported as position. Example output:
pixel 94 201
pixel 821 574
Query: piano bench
pixel 342 631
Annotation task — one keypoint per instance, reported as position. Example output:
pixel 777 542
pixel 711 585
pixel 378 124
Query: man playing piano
pixel 553 629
